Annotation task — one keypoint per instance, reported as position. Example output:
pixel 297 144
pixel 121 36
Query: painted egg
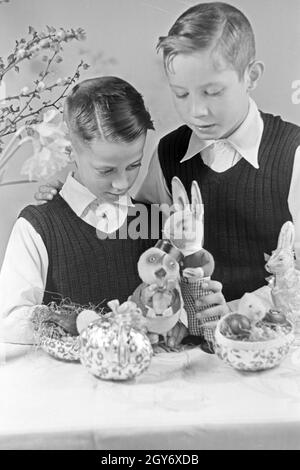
pixel 239 324
pixel 275 316
pixel 112 351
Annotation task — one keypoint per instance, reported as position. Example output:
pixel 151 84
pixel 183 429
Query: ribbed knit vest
pixel 83 267
pixel 244 207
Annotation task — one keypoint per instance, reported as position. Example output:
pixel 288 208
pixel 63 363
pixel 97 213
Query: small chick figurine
pixel 252 307
pixel 159 295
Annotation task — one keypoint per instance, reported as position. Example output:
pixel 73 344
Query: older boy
pixel 247 162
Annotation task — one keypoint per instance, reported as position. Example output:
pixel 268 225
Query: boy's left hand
pixel 216 298
pixel 176 335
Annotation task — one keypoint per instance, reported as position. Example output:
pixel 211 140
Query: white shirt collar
pixel 245 140
pixel 79 198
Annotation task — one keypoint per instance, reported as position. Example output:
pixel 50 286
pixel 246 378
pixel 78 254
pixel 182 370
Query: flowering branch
pixel 30 115
pixel 11 115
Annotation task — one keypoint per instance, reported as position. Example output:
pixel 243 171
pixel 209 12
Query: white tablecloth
pixel 186 400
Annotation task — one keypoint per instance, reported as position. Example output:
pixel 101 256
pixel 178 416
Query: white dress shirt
pixel 24 271
pixel 220 155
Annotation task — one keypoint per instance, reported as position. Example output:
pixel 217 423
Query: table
pixel 186 400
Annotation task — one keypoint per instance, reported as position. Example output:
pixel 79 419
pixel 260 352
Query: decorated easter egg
pixel 238 324
pixel 275 316
pixel 112 349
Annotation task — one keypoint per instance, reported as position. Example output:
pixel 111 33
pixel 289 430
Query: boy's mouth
pixel 117 194
pixel 204 127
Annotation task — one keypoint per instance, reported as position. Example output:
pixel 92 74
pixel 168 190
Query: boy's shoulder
pixel 175 143
pixel 177 134
pixel 42 211
pixel 277 120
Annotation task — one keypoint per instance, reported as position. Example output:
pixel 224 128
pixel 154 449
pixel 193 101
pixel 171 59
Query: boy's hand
pixel 216 297
pixel 47 191
pixel 176 335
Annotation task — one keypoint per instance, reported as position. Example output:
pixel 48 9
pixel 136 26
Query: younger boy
pixel 62 249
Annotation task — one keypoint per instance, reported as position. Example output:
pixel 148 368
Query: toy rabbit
pixel 285 282
pixel 185 229
pixel 159 295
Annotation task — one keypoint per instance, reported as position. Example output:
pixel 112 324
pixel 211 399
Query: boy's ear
pixel 254 71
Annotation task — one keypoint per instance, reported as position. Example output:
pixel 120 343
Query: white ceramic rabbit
pixel 185 229
pixel 285 285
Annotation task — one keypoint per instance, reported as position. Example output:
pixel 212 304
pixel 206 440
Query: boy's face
pixel 108 169
pixel 212 101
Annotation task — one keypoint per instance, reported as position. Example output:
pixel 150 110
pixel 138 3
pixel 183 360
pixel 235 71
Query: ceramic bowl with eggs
pixel 252 342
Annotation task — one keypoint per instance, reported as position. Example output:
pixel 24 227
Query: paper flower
pixel 51 147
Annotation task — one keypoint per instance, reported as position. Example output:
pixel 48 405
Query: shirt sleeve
pixel 154 188
pixel 22 282
pixel 294 203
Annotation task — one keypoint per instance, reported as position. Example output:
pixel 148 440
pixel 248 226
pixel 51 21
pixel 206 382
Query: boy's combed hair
pixel 217 26
pixel 106 108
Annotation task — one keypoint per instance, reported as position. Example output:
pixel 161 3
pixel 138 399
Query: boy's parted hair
pixel 218 26
pixel 106 108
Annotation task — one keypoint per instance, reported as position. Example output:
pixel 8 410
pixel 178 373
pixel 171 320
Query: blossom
pixel 41 86
pixel 51 147
pixel 25 90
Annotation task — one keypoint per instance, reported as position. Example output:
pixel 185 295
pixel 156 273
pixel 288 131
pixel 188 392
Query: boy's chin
pixel 111 197
pixel 207 133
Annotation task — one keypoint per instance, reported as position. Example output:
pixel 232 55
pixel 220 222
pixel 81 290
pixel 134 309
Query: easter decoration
pixel 285 279
pixel 185 229
pixel 159 296
pixel 56 328
pixel 115 346
pixel 253 338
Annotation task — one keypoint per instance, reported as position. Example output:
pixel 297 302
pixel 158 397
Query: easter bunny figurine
pixel 185 229
pixel 285 282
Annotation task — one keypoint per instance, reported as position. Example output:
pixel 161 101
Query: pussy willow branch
pixel 19 116
pixel 51 37
pixel 8 183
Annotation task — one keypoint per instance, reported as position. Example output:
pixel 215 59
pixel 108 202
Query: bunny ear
pixel 179 194
pixel 197 204
pixel 287 235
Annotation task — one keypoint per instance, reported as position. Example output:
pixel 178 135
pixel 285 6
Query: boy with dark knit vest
pixel 246 162
pixel 81 245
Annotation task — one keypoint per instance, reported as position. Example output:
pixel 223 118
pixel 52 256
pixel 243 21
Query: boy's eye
pixel 214 93
pixel 105 172
pixel 135 165
pixel 184 95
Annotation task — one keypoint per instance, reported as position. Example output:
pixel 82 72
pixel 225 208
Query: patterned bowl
pixel 252 355
pixel 66 348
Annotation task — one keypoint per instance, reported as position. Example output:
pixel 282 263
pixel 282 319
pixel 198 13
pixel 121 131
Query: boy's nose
pixel 121 183
pixel 198 109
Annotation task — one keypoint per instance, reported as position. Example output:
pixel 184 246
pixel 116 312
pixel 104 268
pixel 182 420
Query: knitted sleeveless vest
pixel 83 267
pixel 244 208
